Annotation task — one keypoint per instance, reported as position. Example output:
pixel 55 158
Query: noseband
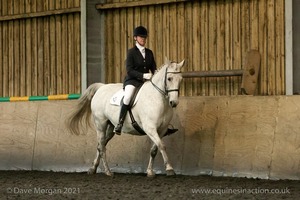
pixel 165 92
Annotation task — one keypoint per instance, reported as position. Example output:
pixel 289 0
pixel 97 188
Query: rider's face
pixel 141 40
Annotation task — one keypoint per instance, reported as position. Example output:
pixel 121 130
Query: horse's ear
pixel 167 61
pixel 180 64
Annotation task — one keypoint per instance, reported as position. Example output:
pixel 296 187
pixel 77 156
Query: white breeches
pixel 129 91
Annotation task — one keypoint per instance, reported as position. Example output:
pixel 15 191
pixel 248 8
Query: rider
pixel 140 65
pixel 140 61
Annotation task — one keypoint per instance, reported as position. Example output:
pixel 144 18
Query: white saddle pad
pixel 116 99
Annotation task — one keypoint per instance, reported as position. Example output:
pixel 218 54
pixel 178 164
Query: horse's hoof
pixel 150 174
pixel 111 174
pixel 91 171
pixel 170 172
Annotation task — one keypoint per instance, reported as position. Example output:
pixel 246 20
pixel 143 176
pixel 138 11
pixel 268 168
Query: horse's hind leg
pixel 109 133
pixel 153 152
pixel 96 162
pixel 103 138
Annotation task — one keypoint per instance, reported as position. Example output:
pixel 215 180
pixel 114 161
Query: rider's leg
pixel 129 91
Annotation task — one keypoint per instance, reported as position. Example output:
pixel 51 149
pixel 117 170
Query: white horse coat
pixel 153 112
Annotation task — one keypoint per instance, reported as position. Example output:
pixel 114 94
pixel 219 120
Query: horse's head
pixel 172 81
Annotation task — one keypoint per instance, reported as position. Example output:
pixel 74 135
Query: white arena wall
pixel 238 136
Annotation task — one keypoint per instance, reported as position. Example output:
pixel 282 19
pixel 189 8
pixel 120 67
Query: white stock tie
pixel 143 52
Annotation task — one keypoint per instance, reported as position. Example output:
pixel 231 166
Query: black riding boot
pixel 171 131
pixel 122 116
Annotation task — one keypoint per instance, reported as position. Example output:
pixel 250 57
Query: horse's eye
pixel 169 79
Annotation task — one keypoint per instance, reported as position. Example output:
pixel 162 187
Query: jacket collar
pixel 140 47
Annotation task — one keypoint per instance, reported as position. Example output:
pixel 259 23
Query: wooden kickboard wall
pixel 241 136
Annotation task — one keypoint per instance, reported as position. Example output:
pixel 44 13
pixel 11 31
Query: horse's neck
pixel 152 94
pixel 159 78
pixel 158 81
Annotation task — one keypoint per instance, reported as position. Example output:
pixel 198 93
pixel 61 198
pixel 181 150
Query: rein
pixel 165 92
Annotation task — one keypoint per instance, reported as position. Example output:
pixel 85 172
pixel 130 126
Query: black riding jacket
pixel 137 65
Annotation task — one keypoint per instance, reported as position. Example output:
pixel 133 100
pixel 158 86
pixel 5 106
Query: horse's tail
pixel 82 110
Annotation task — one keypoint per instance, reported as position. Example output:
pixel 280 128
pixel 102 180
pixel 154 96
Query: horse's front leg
pixel 153 152
pixel 160 145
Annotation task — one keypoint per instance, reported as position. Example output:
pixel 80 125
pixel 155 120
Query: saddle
pixel 117 99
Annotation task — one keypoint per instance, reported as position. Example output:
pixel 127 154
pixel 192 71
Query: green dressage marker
pixel 4 99
pixel 74 96
pixel 38 98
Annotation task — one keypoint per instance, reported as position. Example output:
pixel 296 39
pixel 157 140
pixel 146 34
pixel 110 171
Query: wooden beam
pixel 217 73
pixel 105 6
pixel 39 14
pixel 251 72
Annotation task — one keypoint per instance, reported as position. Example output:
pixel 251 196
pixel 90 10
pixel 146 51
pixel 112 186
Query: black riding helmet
pixel 140 31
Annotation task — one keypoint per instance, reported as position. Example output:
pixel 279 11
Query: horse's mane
pixel 164 66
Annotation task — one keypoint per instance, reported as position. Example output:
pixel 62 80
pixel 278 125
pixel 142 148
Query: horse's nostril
pixel 173 104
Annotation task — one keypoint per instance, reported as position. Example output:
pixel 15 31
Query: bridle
pixel 165 92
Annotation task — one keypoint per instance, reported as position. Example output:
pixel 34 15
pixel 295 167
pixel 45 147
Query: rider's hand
pixel 147 76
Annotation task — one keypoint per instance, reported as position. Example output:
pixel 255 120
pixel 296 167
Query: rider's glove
pixel 147 76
